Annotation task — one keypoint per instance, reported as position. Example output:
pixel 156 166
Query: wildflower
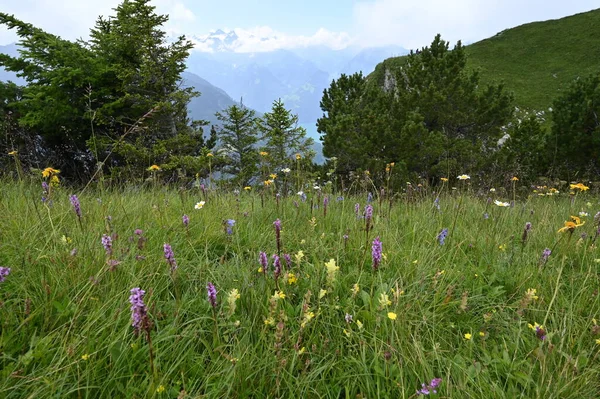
pixel 247 188
pixel 468 336
pixel 579 186
pixel 545 255
pixel 355 290
pixel 299 255
pixel 436 203
pixel 463 177
pixel 212 295
pixel 170 257
pixel 139 317
pixel 286 170
pixel 384 300
pixel 229 223
pixel 376 249
pixel 200 205
pixel 583 214
pixel 269 321
pixel 502 204
pixel 85 356
pixel 278 295
pixel 571 224
pixel 154 168
pixel 514 178
pixel 233 296
pixel 481 334
pixel 539 330
pixel 54 181
pixel 264 262
pixel 392 315
pixel 369 197
pixel 442 236
pixel 210 154
pixel 308 316
pixel 263 153
pixel 492 190
pixel 331 270
pixel 322 293
pixel 444 179
pixel 426 389
pixel 598 341
pixel 368 212
pixel 107 243
pixel 76 206
pixel 4 272
pixel 288 260
pixel 526 231
pixel 348 318
pixel 13 152
pixel 502 247
pixel 160 389
pixel 277 226
pixel 48 172
pixel 276 266
pixel 291 278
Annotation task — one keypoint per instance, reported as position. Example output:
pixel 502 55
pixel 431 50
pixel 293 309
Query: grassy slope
pixel 537 60
pixel 65 335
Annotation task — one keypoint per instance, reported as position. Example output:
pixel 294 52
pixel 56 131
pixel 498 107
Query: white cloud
pixel 264 38
pixel 414 23
pixel 73 19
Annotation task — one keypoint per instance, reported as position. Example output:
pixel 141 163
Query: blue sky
pixel 298 23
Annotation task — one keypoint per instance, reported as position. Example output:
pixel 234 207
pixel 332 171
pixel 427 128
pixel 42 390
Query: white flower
pixel 286 170
pixel 500 203
pixel 582 214
pixel 492 190
pixel 316 187
pixel 200 205
pixel 463 177
pixel 300 193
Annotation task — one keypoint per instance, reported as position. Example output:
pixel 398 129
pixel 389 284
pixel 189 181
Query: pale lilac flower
pixel 426 389
pixel 357 209
pixel 138 232
pixel 186 220
pixel 4 272
pixel 229 223
pixel 369 197
pixel 277 225
pixel 264 261
pixel 545 255
pixel 348 318
pixel 212 295
pixel 276 266
pixel 288 260
pixel 107 243
pixel 138 309
pixel 368 212
pixel 76 205
pixel 442 236
pixel 170 257
pixel 376 253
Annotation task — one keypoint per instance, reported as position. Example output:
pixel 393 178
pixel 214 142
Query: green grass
pixel 536 61
pixel 66 328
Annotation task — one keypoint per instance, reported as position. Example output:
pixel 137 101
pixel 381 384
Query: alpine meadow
pixel 446 246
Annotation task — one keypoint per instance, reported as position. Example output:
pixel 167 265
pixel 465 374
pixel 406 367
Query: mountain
pixel 297 76
pixel 536 61
pixel 211 99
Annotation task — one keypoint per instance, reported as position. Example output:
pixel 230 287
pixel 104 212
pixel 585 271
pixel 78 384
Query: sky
pixel 299 23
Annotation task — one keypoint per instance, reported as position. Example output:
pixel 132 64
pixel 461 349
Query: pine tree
pixel 237 137
pixel 283 137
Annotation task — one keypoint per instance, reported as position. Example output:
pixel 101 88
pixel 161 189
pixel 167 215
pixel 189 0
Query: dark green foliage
pixel 575 139
pixel 83 97
pixel 238 136
pixel 431 116
pixel 283 137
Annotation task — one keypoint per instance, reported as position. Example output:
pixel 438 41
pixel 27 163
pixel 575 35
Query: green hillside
pixel 536 61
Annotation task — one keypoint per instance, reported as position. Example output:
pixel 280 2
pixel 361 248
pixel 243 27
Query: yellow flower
pixel 299 255
pixel 347 333
pixel 263 153
pixel 85 356
pixel 269 321
pixel 260 269
pixel 200 205
pixel 579 186
pixel 481 334
pixel 598 341
pixel 54 181
pixel 359 324
pixel 444 179
pixel 278 295
pixel 267 183
pixel 291 278
pixel 571 225
pixel 502 247
pixel 355 289
pixel 13 152
pixel 392 315
pixel 514 178
pixel 463 177
pixel 384 301
pixel 233 296
pixel 331 269
pixel 535 326
pixel 531 293
pixel 322 293
pixel 210 154
pixel 308 316
pixel 302 350
pixel 247 188
pixel 273 176
pixel 154 168
pixel 50 172
pixel 160 389
pixel 468 336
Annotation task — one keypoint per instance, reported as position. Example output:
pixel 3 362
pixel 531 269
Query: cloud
pixel 414 23
pixel 73 19
pixel 264 39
